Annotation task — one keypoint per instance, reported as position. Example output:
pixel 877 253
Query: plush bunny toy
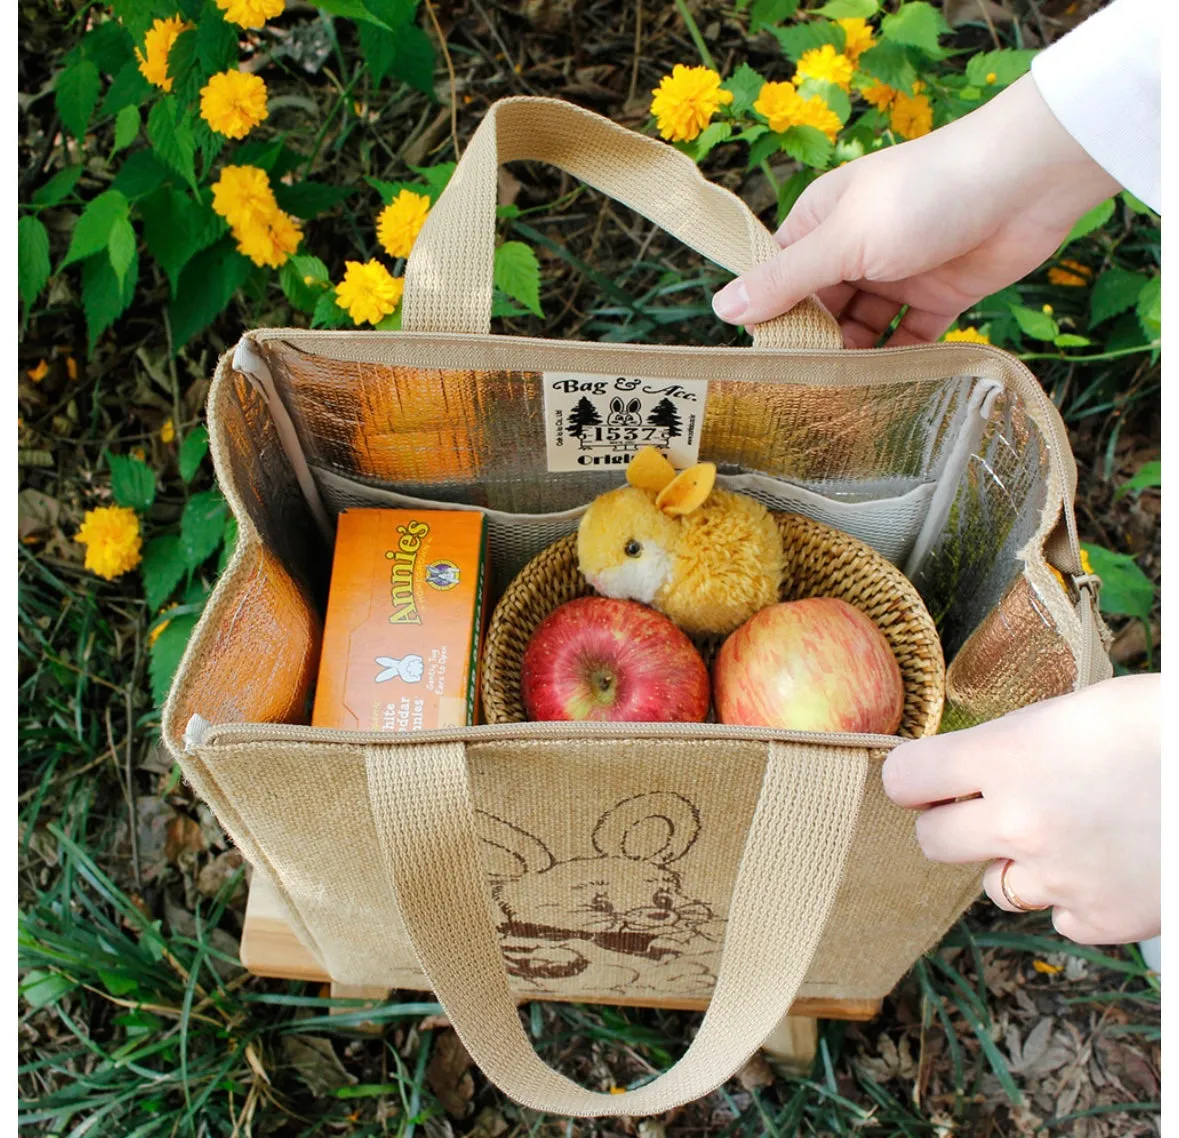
pixel 708 559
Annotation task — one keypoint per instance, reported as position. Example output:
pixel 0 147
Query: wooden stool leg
pixel 352 992
pixel 793 1043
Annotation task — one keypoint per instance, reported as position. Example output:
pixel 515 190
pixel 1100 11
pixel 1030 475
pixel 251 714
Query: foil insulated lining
pixel 477 438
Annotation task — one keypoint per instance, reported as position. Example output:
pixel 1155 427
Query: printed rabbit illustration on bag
pixel 616 919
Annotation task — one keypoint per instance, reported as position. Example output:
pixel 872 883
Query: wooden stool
pixel 270 948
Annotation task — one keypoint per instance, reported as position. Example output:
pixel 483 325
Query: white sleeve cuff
pixel 1103 83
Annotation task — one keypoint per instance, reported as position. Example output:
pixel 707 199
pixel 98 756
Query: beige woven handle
pixel 790 872
pixel 448 280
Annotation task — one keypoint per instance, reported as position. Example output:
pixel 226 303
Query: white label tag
pixel 605 420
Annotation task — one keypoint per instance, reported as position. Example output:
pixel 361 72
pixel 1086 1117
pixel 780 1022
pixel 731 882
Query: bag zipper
pixel 200 733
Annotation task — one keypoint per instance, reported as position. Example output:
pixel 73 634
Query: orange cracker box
pixel 404 616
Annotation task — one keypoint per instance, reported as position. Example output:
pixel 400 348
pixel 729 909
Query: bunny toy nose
pixel 651 917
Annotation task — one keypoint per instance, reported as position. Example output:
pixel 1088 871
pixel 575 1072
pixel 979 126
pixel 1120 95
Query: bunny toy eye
pixel 632 548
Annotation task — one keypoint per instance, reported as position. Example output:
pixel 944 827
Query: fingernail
pixel 731 303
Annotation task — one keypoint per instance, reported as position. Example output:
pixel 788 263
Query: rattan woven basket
pixel 820 562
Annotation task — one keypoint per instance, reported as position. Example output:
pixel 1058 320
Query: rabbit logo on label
pixel 596 421
pixel 618 919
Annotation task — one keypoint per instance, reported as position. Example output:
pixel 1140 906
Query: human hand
pixel 1070 793
pixel 937 224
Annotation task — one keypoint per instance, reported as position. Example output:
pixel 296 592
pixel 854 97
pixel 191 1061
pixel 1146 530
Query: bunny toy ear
pixel 649 470
pixel 687 490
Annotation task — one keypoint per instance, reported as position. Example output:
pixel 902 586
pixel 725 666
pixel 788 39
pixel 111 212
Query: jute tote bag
pixel 640 863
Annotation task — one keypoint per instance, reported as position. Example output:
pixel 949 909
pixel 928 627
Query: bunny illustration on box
pixel 616 919
pixel 707 558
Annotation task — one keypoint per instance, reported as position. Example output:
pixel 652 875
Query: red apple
pixel 812 665
pixel 598 658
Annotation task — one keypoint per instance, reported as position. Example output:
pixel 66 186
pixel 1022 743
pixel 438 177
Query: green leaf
pixel 762 147
pixel 108 46
pixel 1125 589
pixel 193 448
pixel 133 483
pixel 502 307
pixel 32 258
pixel 129 89
pixel 1006 66
pixel 60 186
pixel 916 24
pixel 201 525
pixel 293 278
pixel 393 13
pixel 709 138
pixel 162 568
pixel 349 9
pixel 745 84
pixel 135 15
pixel 275 158
pixel 517 273
pixel 436 177
pixel 170 133
pixel 40 989
pixel 121 247
pixel 102 300
pixel 328 314
pixel 1137 204
pixel 205 288
pixel 139 175
pixel 797 39
pixel 1149 308
pixel 309 199
pixel 1088 222
pixel 1147 476
pixel 184 69
pixel 1113 292
pixel 216 42
pixel 849 9
pixel 126 128
pixel 808 145
pixel 93 230
pixel 166 654
pixel 76 95
pixel 176 228
pixel 766 13
pixel 834 96
pixel 1032 322
pixel 890 63
pixel 379 48
pixel 792 189
pixel 117 984
pixel 1068 340
pixel 413 61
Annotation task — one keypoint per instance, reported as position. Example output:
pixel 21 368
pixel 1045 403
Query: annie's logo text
pixel 401 577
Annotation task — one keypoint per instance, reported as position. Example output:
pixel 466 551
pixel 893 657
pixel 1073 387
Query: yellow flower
pixel 857 37
pixel 1047 969
pixel 826 64
pixel 368 292
pixel 269 240
pixel 167 432
pixel 968 335
pixel 38 373
pixel 154 634
pixel 158 42
pixel 686 100
pixel 139 453
pixel 242 194
pixel 112 540
pixel 779 104
pixel 912 116
pixel 400 222
pixel 250 13
pixel 233 103
pixel 879 95
pixel 991 77
pixel 1071 274
pixel 1047 309
pixel 815 112
pixel 71 367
